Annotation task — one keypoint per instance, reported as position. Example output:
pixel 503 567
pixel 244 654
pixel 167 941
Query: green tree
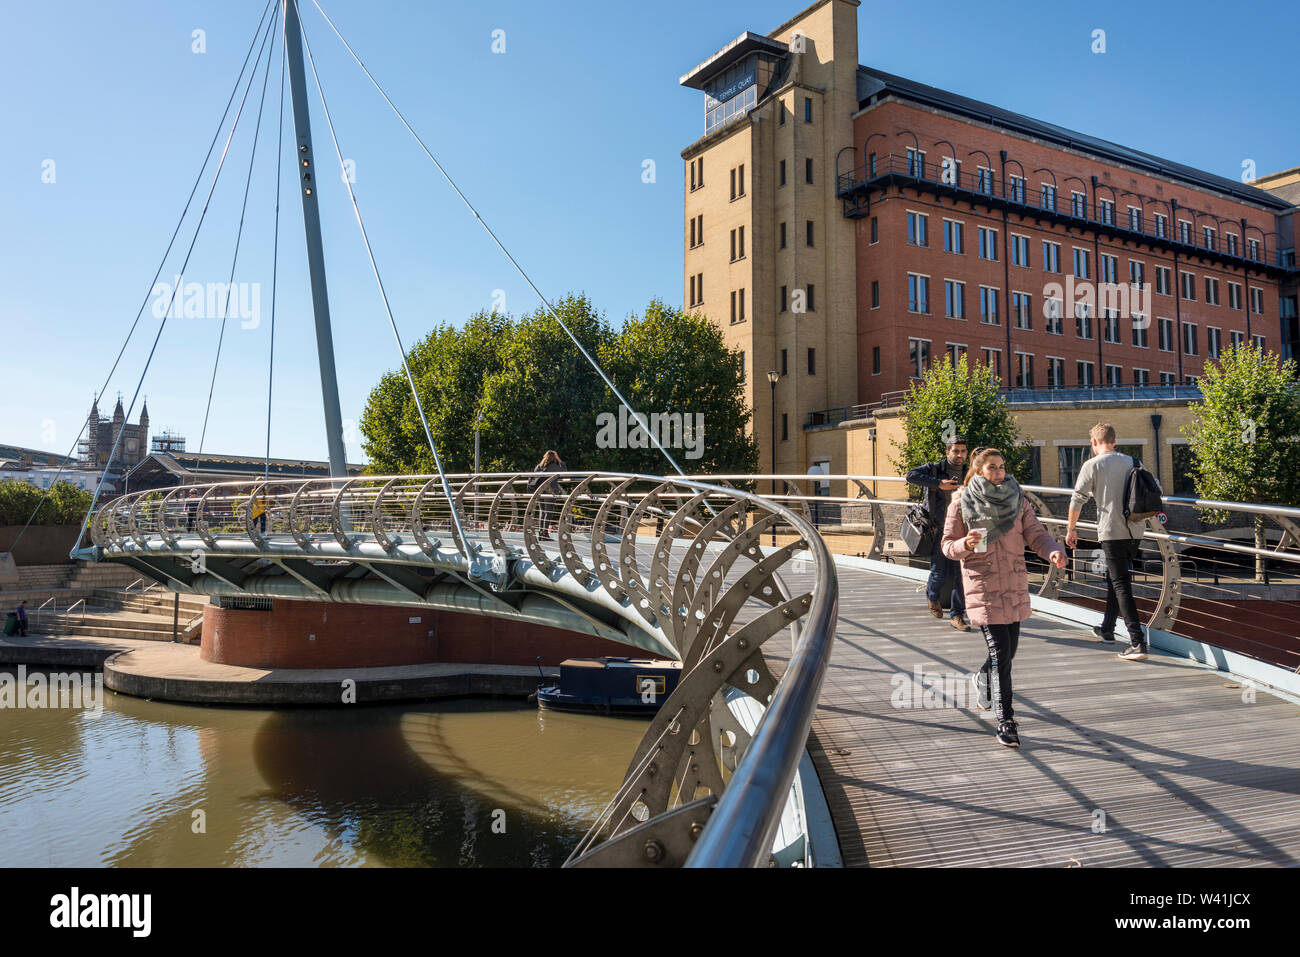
pixel 65 504
pixel 958 400
pixel 1242 436
pixel 676 364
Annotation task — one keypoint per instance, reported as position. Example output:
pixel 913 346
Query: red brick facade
pixel 890 325
pixel 308 634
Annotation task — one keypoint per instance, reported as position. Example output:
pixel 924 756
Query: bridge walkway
pixel 1140 764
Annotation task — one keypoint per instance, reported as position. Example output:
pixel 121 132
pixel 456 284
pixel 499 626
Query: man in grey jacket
pixel 1102 478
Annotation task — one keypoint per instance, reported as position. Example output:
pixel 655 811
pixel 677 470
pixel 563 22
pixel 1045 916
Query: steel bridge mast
pixel 307 183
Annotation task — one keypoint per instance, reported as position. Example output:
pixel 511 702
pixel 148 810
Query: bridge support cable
pixel 171 302
pixel 488 229
pixel 239 235
pixel 275 248
pixel 158 272
pixel 468 549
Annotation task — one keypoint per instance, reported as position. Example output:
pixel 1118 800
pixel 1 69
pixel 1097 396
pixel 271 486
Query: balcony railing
pixel 1019 194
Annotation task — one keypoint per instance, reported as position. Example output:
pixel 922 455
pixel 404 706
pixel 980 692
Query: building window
pixel 783 298
pixel 697 289
pixel 1019 250
pixel 955 352
pixel 1111 325
pixel 738 306
pixel 1022 309
pixel 1109 268
pixel 1141 377
pixel 812 298
pixel 697 173
pixel 1213 341
pixel 1052 312
pixel 875 294
pixel 1051 256
pixel 1166 335
pixel 780 173
pixel 1208 234
pixel 1189 338
pixel 738 182
pixel 807 109
pixel 1257 300
pixel 1114 375
pixel 1162 280
pixel 738 243
pixel 918 355
pixel 1082 320
pixel 1161 222
pixel 1016 190
pixel 691 291
pixel 785 426
pixel 1055 372
pixel 1231 240
pixel 918 293
pixel 1211 291
pixel 781 235
pixel 984 180
pixel 812 361
pixel 1136 273
pixel 875 360
pixel 954 299
pixel 1106 211
pixel 1188 281
pixel 916 163
pixel 1049 197
pixel 988 305
pixel 1078 205
pixel 875 230
pixel 785 366
pixel 1140 324
pixel 1071 458
pixel 1184 232
pixel 953 240
pixel 1135 218
pixel 808 228
pixel 1258 342
pixel 918 233
pixel 993 359
pixel 1237 338
pixel 871 164
pixel 1234 295
pixel 1166 378
pixel 1082 263
pixel 988 243
pixel 1024 371
pixel 742 367
pixel 1085 370
pixel 807 170
pixel 1252 249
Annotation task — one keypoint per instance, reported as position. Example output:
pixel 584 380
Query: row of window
pixel 919 359
pixel 1017 191
pixel 918 231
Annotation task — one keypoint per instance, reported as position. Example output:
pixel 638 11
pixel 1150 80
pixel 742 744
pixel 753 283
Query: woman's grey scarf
pixel 994 508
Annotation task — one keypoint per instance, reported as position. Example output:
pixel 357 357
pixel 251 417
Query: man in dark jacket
pixel 939 480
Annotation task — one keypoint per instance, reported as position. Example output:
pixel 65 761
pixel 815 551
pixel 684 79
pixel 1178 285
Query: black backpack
pixel 1143 497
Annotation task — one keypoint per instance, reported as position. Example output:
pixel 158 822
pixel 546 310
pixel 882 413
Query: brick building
pixel 847 227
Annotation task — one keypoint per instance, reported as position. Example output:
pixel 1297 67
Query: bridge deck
pixel 1185 772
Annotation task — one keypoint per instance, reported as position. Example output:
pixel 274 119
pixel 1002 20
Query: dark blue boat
pixel 611 685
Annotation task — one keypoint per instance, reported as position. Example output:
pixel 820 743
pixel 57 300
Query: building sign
pixel 735 89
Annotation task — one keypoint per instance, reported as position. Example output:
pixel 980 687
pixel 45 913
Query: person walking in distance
pixel 1102 478
pixel 21 613
pixel 939 480
pixel 551 462
pixel 988 526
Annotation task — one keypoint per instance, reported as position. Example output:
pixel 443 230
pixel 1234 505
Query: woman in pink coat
pixel 988 526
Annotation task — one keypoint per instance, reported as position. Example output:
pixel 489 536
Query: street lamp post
pixel 771 378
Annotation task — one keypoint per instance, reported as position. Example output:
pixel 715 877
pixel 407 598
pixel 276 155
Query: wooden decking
pixel 1155 763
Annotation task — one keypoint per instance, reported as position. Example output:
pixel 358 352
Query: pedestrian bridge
pixel 1164 761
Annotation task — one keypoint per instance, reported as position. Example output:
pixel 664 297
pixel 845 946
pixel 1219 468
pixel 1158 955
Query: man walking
pixel 22 618
pixel 1103 478
pixel 940 479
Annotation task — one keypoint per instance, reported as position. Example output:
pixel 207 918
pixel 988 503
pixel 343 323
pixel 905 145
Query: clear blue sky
pixel 548 139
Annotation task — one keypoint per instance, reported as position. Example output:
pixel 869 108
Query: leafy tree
pixel 66 504
pixel 1242 435
pixel 674 363
pixel 958 400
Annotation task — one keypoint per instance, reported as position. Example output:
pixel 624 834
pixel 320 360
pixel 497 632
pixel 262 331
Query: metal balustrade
pixel 670 565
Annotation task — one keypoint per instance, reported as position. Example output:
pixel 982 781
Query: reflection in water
pixel 155 784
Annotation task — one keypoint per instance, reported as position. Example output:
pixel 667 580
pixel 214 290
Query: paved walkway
pixel 1153 763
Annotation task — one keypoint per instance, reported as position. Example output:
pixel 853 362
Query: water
pixel 154 784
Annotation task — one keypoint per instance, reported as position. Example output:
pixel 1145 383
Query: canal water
pixel 461 783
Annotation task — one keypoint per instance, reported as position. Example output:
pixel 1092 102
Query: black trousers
pixel 1120 554
pixel 1003 640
